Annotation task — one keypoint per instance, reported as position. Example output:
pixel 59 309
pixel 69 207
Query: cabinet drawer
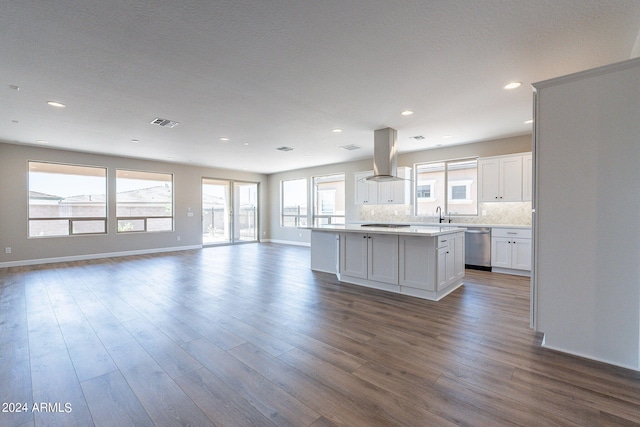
pixel 523 233
pixel 443 241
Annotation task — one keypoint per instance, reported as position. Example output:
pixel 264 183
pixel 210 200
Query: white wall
pixel 587 221
pixel 518 144
pixel 187 194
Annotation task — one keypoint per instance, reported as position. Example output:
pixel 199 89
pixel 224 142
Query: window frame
pixel 300 220
pixel 318 216
pixel 448 201
pixel 71 220
pixel 144 218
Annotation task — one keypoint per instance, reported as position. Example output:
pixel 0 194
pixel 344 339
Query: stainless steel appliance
pixel 477 248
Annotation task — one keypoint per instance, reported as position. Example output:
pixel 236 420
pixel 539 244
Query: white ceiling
pixel 272 73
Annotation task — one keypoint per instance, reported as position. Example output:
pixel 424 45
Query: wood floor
pixel 248 335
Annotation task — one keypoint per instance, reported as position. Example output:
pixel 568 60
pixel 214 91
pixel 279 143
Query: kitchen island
pixel 421 261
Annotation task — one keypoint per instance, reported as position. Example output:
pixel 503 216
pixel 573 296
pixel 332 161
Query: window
pixel 452 185
pixel 293 196
pixel 66 199
pixel 329 205
pixel 144 201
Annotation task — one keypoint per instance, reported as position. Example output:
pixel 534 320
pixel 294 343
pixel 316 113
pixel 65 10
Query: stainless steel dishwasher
pixel 477 248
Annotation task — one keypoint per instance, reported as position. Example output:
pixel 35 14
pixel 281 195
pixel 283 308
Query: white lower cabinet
pixel 450 260
pixel 511 250
pixel 431 267
pixel 369 256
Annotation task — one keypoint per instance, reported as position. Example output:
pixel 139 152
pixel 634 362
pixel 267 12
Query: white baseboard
pixel 94 256
pixel 560 349
pixel 287 242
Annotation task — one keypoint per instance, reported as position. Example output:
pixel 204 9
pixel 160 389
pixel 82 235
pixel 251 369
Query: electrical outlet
pixel 178 238
pixel 7 250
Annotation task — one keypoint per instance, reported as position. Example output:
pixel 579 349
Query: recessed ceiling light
pixel 14 87
pixel 246 143
pixel 407 113
pixel 528 122
pixel 42 141
pixel 135 141
pixel 56 104
pixel 336 130
pixel 446 136
pixel 224 138
pixel 512 85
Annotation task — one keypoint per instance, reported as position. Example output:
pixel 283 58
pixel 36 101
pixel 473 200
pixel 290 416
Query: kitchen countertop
pixel 454 224
pixel 414 230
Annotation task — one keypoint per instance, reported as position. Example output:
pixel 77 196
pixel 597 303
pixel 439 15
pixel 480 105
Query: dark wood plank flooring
pixel 248 335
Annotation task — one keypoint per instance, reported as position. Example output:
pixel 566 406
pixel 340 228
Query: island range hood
pixel 385 156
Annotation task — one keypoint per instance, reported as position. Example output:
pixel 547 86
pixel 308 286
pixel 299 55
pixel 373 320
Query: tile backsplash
pixel 507 213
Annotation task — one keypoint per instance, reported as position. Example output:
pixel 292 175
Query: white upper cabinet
pixel 384 192
pixel 366 191
pixel 396 192
pixel 502 178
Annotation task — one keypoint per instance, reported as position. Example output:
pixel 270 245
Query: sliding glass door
pixel 229 211
pixel 245 211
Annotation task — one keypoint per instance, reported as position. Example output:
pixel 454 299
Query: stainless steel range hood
pixel 385 156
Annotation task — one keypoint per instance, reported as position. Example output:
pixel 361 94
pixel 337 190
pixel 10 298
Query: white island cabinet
pixel 373 257
pixel 425 262
pixel 427 276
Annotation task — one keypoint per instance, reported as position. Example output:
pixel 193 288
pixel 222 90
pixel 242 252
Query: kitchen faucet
pixel 439 212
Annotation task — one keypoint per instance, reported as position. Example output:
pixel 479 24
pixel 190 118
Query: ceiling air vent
pixel 164 122
pixel 284 148
pixel 350 147
pixel 418 137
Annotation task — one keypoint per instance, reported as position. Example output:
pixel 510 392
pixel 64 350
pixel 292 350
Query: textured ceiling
pixel 269 73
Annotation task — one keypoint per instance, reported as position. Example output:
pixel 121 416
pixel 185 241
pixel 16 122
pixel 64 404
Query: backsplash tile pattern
pixel 507 213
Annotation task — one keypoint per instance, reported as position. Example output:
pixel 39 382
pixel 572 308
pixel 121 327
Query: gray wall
pixel 586 225
pixel 518 144
pixel 187 194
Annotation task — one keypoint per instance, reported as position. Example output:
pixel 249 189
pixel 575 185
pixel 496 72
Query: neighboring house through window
pixel 451 185
pixel 66 199
pixel 144 201
pixel 293 206
pixel 329 199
